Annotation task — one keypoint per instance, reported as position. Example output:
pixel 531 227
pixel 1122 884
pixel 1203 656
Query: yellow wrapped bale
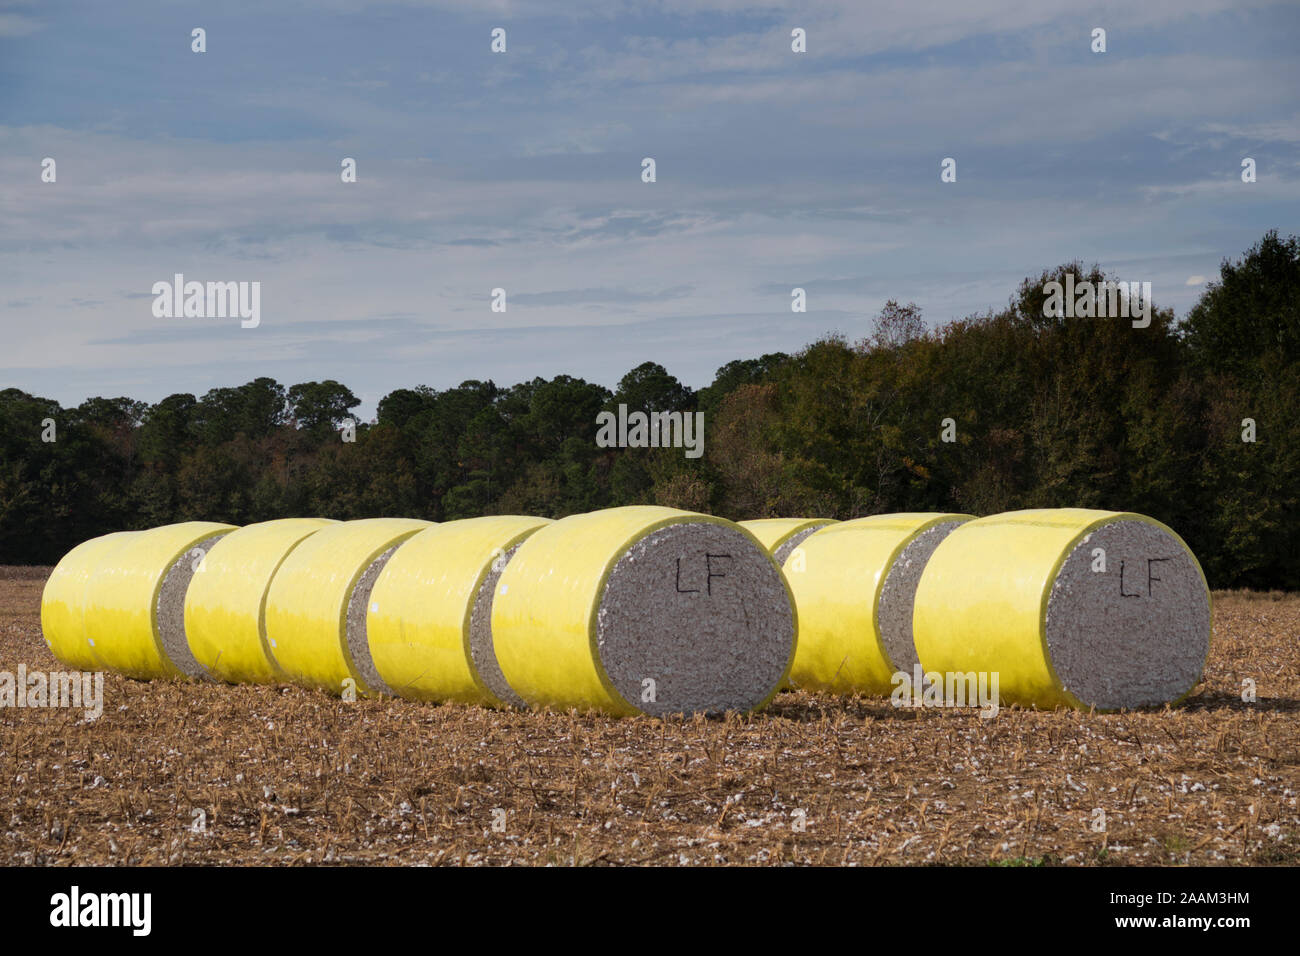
pixel 225 607
pixel 63 602
pixel 643 610
pixel 854 588
pixel 316 605
pixel 782 535
pixel 135 602
pixel 1070 607
pixel 430 615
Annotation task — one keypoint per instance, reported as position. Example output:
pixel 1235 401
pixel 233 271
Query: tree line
pixel 1194 422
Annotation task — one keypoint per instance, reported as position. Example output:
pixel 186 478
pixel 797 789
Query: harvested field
pixel 218 774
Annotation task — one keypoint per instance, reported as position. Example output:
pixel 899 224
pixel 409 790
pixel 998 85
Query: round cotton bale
pixel 316 605
pixel 782 535
pixel 225 607
pixel 430 615
pixel 63 602
pixel 135 604
pixel 854 588
pixel 1070 607
pixel 643 610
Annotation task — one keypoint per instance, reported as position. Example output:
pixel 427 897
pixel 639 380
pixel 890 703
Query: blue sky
pixel 522 171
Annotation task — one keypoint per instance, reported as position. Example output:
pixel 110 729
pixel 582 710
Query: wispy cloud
pixel 17 25
pixel 523 171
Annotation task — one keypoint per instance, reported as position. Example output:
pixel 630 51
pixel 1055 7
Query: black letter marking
pixel 708 564
pixel 1121 583
pixel 680 589
pixel 1151 561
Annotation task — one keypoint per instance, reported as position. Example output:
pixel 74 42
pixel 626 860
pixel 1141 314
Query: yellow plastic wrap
pixel 837 593
pixel 122 598
pixel 420 611
pixel 307 603
pixel 982 601
pixel 63 602
pixel 774 532
pixel 225 606
pixel 544 615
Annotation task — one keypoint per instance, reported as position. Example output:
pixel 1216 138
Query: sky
pixel 522 170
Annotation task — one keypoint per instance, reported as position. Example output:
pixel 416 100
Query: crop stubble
pixel 281 775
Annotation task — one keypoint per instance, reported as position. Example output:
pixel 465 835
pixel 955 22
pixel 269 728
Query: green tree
pixel 733 375
pixel 1252 313
pixel 321 406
